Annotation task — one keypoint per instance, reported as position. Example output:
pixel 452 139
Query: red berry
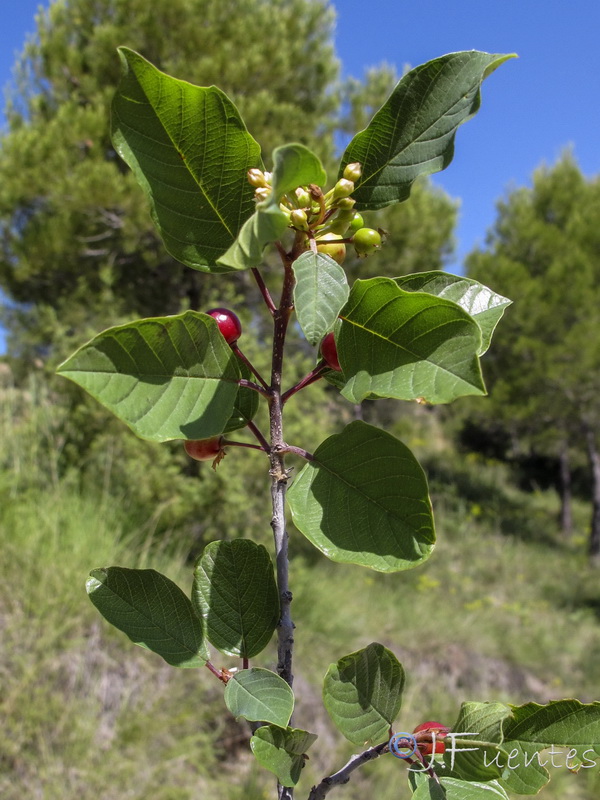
pixel 329 352
pixel 426 747
pixel 204 449
pixel 228 323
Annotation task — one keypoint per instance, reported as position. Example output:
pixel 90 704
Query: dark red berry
pixel 329 352
pixel 204 449
pixel 228 323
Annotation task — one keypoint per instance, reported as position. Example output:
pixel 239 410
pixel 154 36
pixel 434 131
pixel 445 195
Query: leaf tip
pixel 97 578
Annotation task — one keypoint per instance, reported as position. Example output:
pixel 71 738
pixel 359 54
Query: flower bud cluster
pixel 329 218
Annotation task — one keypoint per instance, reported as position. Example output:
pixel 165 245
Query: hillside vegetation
pixel 503 610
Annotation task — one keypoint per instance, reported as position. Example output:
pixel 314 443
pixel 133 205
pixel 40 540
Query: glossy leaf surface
pixel 413 132
pixel 364 500
pixel 485 306
pixel 407 345
pixel 166 377
pixel 190 151
pixel 152 611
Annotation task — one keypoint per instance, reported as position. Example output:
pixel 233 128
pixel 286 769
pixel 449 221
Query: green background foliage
pixel 79 254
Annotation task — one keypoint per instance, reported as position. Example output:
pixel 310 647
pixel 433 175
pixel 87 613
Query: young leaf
pixel 260 695
pixel 413 133
pixel 293 165
pixel 167 377
pixel 236 595
pixel 190 151
pixel 364 500
pixel 485 306
pixel 266 225
pixel 152 611
pixel 281 751
pixel 362 693
pixel 407 345
pixel 320 293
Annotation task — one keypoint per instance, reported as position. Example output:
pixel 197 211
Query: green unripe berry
pixel 352 172
pixel 333 249
pixel 357 222
pixel 366 241
pixel 299 220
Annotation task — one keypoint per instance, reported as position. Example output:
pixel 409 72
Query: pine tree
pixel 544 373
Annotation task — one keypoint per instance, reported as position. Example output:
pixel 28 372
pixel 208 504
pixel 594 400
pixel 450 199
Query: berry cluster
pixel 327 218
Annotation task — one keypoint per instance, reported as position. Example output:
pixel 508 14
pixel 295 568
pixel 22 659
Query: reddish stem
pixel 218 672
pixel 252 427
pixel 250 365
pixel 254 386
pixel 264 291
pixel 231 443
pixel 297 451
pixel 314 375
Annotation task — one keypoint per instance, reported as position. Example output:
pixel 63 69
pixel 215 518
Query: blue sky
pixel 532 108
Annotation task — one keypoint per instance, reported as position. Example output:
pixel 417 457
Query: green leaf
pixel 483 721
pixel 364 500
pixel 245 405
pixel 426 788
pixel 190 151
pixel 568 724
pixel 260 695
pixel 281 751
pixel 266 225
pixel 413 132
pixel 294 165
pixel 407 345
pixel 320 293
pixel 485 306
pixel 236 595
pixel 167 377
pixel 152 611
pixel 362 693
